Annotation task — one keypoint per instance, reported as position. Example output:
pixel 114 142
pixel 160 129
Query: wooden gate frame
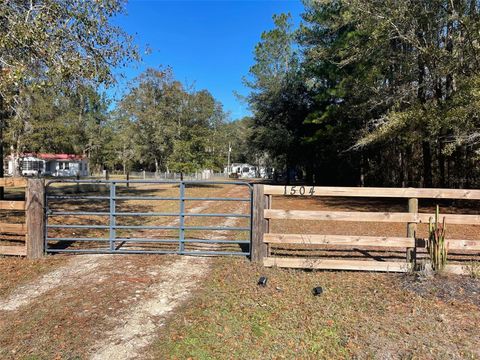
pixel 34 226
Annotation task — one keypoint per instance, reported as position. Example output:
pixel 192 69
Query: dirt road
pixel 100 306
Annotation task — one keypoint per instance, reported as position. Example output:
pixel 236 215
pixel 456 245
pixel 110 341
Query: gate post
pixel 411 231
pixel 259 248
pixel 35 219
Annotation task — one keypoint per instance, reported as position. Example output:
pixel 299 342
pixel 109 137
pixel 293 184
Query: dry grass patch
pixel 16 271
pixel 360 315
pixel 66 321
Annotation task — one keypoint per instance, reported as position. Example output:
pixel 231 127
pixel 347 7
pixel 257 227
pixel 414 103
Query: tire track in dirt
pixel 140 326
pixel 78 270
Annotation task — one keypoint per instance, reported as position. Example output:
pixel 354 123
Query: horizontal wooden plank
pixel 364 216
pixel 12 205
pixel 13 250
pixel 13 182
pixel 470 245
pixel 338 240
pixel 456 269
pixel 13 228
pixel 328 264
pixel 355 265
pixel 457 219
pixel 359 241
pixel 372 192
pixel 339 215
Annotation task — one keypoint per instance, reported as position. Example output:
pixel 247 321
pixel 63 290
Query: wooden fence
pixel 263 239
pixel 31 229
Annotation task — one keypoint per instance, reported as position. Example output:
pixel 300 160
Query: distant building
pixel 49 165
pixel 247 171
pixel 239 170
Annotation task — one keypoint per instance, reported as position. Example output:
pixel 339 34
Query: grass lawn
pixel 359 315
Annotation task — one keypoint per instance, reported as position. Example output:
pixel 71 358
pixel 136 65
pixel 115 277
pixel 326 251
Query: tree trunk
pixel 427 164
pixel 2 121
pixel 157 167
pixel 401 174
pixel 409 169
pixel 16 163
pixel 441 164
pixel 421 95
pixel 449 182
pixel 310 175
pixel 466 169
pixel 405 169
pixel 362 170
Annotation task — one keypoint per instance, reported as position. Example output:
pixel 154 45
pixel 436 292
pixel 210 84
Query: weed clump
pixel 473 269
pixel 436 245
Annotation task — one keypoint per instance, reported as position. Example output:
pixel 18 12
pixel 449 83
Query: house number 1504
pixel 299 190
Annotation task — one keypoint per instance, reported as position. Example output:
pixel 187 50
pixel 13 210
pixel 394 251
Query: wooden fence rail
pixel 33 227
pixel 372 192
pixel 263 239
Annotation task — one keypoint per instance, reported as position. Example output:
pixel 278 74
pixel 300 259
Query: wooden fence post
pixel 412 230
pixel 259 248
pixel 35 220
pixel 268 205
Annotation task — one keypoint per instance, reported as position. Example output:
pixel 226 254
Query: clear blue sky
pixel 209 44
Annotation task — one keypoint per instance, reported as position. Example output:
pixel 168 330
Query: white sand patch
pixel 138 328
pixel 75 271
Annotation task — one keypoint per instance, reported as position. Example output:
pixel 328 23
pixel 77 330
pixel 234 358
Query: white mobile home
pixel 245 171
pixel 49 164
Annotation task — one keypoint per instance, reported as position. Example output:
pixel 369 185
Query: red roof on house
pixel 60 156
pixel 45 156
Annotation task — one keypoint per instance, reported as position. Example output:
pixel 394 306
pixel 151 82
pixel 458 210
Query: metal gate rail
pixel 112 240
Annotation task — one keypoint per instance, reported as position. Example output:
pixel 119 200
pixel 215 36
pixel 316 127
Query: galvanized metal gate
pixel 84 216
